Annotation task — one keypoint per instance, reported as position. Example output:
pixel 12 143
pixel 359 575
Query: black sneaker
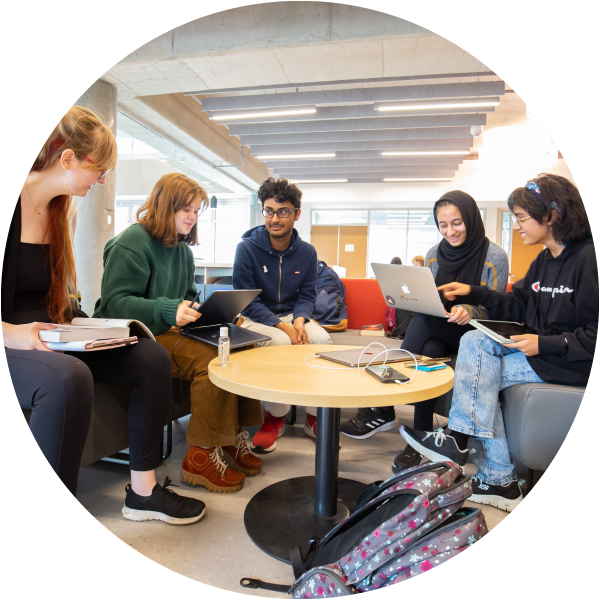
pixel 368 422
pixel 162 505
pixel 435 445
pixel 408 458
pixel 505 497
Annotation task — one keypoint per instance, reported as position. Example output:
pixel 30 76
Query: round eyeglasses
pixel 282 213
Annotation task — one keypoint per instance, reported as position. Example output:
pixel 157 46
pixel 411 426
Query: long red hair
pixel 82 131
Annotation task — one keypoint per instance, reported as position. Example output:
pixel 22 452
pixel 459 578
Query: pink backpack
pixel 400 528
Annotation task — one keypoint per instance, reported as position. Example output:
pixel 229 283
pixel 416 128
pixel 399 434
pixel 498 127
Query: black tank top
pixel 32 284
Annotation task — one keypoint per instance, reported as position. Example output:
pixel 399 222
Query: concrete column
pixel 96 212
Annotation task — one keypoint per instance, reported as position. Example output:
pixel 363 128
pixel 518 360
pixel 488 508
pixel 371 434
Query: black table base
pixel 281 516
pixel 294 511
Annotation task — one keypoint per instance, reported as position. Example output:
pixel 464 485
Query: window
pixel 340 217
pixel 144 157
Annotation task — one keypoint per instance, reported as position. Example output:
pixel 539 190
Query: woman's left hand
pixel 527 344
pixel 460 316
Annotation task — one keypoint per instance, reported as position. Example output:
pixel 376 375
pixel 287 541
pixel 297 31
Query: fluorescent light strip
pixel 433 104
pixel 255 114
pixel 419 179
pixel 318 180
pixel 427 153
pixel 293 156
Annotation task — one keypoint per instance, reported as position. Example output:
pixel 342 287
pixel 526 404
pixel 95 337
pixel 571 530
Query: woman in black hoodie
pixel 558 300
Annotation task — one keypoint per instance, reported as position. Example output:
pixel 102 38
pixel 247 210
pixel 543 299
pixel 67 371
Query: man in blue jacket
pixel 272 257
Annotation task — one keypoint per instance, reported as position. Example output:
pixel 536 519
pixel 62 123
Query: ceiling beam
pixel 287 85
pixel 375 179
pixel 357 136
pixel 362 154
pixel 279 165
pixel 367 173
pixel 378 145
pixel 358 124
pixel 354 111
pixel 350 171
pixel 354 95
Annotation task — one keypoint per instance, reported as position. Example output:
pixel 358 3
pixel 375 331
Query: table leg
pixel 292 512
pixel 327 462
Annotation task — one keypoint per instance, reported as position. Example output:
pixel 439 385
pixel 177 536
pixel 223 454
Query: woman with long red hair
pixel 39 288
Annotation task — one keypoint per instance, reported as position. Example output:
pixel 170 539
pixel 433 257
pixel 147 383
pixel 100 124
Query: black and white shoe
pixel 408 458
pixel 435 445
pixel 505 497
pixel 162 505
pixel 368 422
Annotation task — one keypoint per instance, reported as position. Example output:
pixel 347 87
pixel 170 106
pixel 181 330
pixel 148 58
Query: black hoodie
pixel 558 299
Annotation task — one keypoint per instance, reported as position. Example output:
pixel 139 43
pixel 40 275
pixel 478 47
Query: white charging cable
pixel 385 351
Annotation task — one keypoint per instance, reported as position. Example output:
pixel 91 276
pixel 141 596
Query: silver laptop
pixel 350 357
pixel 409 288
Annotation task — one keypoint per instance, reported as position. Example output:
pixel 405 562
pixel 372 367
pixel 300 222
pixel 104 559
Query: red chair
pixel 364 302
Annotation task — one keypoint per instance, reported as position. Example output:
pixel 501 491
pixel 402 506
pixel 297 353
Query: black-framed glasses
pixel 282 213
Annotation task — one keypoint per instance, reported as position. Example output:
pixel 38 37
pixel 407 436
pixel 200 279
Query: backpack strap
pixel 297 562
pixel 255 584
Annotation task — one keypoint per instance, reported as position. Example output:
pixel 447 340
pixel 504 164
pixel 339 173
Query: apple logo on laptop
pixel 390 301
pixel 405 289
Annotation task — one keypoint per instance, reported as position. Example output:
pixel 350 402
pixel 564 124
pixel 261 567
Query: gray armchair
pixel 537 418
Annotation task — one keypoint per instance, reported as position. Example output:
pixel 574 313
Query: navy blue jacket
pixel 288 279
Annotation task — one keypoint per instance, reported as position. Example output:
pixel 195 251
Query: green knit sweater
pixel 145 280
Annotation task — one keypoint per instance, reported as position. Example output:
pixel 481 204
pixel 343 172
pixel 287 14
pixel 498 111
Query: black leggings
pixel 433 337
pixel 59 389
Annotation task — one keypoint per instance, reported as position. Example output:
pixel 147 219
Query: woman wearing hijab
pixel 466 255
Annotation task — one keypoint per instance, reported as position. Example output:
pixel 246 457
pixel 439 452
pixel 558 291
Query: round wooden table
pixel 295 511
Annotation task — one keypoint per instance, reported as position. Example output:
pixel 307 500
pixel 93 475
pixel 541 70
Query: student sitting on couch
pixel 149 276
pixel 273 258
pixel 558 300
pixel 38 280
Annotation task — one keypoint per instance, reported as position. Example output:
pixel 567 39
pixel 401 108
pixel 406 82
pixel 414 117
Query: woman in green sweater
pixel 149 276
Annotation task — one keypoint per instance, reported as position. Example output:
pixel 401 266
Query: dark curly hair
pixel 572 224
pixel 280 189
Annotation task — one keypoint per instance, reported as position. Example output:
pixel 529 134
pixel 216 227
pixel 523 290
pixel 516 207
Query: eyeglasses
pixel 518 221
pixel 102 173
pixel 282 213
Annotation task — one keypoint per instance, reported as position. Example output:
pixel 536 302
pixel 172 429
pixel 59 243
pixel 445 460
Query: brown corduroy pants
pixel 216 414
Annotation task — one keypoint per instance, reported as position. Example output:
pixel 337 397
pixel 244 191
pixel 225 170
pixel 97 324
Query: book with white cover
pixel 87 329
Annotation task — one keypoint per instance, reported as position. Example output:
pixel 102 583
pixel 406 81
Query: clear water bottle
pixel 224 347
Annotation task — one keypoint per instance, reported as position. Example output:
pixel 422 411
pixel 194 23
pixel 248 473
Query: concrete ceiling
pixel 340 58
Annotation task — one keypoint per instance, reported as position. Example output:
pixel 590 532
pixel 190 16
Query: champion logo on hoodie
pixel 561 290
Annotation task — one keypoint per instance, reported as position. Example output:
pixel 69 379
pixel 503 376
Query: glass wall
pixel 144 157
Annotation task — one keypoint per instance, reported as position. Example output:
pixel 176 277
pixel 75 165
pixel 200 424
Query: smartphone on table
pixel 386 374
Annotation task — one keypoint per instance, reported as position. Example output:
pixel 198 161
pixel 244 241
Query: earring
pixel 66 186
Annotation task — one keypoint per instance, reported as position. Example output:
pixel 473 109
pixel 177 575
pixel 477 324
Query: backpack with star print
pixel 400 528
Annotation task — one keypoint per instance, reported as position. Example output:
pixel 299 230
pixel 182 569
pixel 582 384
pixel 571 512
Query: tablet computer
pixel 500 331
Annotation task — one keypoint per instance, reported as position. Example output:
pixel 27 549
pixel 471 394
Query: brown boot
pixel 240 458
pixel 207 468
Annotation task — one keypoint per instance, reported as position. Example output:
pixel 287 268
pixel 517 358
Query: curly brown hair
pixel 280 189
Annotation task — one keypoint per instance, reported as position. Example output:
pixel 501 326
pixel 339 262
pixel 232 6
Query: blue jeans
pixel 483 369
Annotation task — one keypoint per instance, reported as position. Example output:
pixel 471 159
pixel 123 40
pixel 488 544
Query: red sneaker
pixel 310 427
pixel 264 439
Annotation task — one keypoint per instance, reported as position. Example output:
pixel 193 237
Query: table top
pixel 280 374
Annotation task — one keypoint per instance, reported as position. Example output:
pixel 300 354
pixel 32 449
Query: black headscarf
pixel 462 263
